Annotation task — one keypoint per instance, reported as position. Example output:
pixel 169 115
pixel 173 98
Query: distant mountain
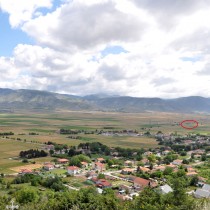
pixel 43 100
pixel 133 104
pixel 34 99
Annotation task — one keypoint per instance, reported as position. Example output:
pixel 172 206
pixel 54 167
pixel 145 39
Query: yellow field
pixel 30 167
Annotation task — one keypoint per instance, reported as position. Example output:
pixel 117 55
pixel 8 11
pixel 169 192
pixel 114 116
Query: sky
pixel 141 48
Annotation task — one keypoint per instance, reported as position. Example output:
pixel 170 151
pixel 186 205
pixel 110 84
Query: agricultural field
pixel 47 126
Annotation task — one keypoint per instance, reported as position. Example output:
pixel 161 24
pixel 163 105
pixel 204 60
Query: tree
pixel 185 161
pixel 77 159
pixel 101 176
pixel 168 171
pixel 26 195
pixel 152 158
pixel 51 152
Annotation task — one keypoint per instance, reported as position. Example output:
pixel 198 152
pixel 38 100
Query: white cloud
pixel 81 26
pixel 21 11
pixel 166 44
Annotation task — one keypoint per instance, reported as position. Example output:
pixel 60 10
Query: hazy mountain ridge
pixel 34 99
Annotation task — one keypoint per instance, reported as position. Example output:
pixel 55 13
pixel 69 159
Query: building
pixel 144 169
pixel 101 160
pixel 103 183
pixel 193 173
pixel 26 171
pixel 99 166
pixel 140 183
pixel 84 164
pixel 128 170
pixel 48 166
pixel 204 192
pixel 165 189
pixel 129 163
pixel 72 170
pixel 177 162
pixel 63 161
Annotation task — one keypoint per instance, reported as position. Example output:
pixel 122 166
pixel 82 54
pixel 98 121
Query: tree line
pixel 33 153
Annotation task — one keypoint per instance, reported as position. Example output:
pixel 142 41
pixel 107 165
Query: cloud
pixel 162 81
pixel 21 11
pixel 205 70
pixel 76 25
pixel 169 12
pixel 139 48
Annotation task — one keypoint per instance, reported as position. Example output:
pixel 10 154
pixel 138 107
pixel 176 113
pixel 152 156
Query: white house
pixel 72 170
pixel 48 166
pixel 165 189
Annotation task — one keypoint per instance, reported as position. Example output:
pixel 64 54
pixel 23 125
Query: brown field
pixel 30 167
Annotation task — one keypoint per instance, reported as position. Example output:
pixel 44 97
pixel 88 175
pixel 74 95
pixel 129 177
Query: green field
pixel 47 125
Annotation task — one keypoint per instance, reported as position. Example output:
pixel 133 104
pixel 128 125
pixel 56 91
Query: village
pixel 129 171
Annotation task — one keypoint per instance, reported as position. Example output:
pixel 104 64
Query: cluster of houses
pixel 127 174
pixel 131 167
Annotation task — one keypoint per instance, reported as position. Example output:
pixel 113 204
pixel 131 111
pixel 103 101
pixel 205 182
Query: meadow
pixel 47 126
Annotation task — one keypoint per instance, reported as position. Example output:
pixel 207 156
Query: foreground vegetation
pixel 87 199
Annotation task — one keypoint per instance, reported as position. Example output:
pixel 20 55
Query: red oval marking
pixel 189 121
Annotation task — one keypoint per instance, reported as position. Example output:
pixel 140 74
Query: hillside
pixel 42 100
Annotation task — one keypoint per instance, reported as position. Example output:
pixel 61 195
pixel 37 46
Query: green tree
pixel 26 195
pixel 168 171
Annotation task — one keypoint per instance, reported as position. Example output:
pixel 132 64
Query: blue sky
pixel 128 47
pixel 10 38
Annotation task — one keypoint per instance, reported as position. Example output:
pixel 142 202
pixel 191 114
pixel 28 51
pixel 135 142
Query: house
pixel 165 189
pixel 145 161
pixel 103 183
pixel 91 174
pixel 144 169
pixel 114 153
pixel 140 183
pixel 63 161
pixel 177 162
pixel 165 152
pixel 72 170
pixel 49 147
pixel 128 170
pixel 204 192
pixel 99 166
pixel 128 163
pixel 48 166
pixel 200 193
pixel 171 166
pixel 190 169
pixel 159 168
pixel 148 153
pixel 193 173
pixel 26 171
pixel 84 164
pixel 206 187
pixel 101 160
pixel 124 188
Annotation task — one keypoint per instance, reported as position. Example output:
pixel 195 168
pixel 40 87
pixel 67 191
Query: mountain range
pixel 42 100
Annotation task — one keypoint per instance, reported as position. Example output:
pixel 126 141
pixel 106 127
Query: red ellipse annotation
pixel 189 121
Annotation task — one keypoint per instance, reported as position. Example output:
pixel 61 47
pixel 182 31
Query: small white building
pixel 165 189
pixel 48 166
pixel 72 170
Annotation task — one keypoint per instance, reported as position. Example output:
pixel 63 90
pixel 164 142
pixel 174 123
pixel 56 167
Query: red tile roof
pixel 63 160
pixel 103 183
pixel 73 168
pixel 26 171
pixel 141 182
